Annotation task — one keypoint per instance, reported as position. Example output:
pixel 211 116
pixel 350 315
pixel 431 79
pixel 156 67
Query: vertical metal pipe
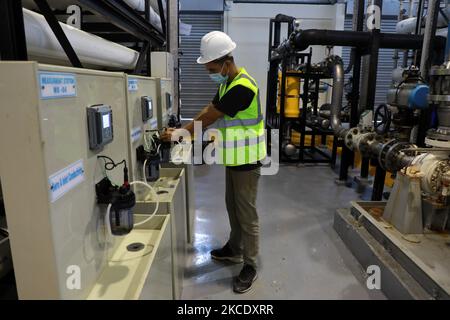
pixel 271 95
pixel 418 29
pixel 429 35
pixel 354 114
pixel 411 5
pixel 336 99
pixel 369 89
pixel 282 102
pixel 371 80
pixel 420 7
pixel 405 58
pixel 367 65
pixel 162 15
pixel 365 168
pixel 173 41
pixel 364 83
pixel 343 169
pixel 269 54
pixel 355 99
pixel 168 22
pixel 148 69
pixel 270 82
pixel 277 34
pixel 399 18
pixel 348 156
pixel 378 183
pixel 304 97
pixel 373 69
pixel 406 52
pixel 447 46
pixel 425 63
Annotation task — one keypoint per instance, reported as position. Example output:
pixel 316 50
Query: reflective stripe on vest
pixel 248 141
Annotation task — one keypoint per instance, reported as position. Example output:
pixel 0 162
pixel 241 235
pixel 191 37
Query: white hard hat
pixel 215 45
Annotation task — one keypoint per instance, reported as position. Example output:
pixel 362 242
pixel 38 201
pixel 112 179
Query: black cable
pixel 111 165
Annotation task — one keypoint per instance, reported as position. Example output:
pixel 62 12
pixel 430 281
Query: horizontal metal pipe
pixel 404 160
pixel 305 38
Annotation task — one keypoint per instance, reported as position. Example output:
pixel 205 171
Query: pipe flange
pixel 365 141
pixel 438 137
pixel 393 156
pixel 382 155
pixel 350 138
pixel 389 155
pixel 439 71
pixel 435 180
pixel 436 98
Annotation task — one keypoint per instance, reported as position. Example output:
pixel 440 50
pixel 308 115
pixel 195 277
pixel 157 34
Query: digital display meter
pixel 100 125
pixel 106 121
pixel 168 102
pixel 147 108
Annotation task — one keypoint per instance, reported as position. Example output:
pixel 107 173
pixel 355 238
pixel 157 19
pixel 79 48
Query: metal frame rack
pixel 307 153
pixel 123 25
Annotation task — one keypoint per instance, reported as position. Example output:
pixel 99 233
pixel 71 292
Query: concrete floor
pixel 301 255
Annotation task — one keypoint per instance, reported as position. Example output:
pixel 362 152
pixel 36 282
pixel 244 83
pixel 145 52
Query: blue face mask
pixel 218 77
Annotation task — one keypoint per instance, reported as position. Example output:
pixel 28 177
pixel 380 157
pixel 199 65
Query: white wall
pixel 248 26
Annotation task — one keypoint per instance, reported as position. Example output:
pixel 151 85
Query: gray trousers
pixel 240 197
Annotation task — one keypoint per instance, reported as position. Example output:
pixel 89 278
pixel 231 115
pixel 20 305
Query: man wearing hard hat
pixel 236 110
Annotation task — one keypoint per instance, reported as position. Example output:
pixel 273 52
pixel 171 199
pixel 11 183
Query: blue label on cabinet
pixel 57 85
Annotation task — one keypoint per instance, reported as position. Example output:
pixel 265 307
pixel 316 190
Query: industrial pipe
pixel 390 154
pixel 139 5
pixel 303 39
pixel 336 96
pixel 409 25
pixel 92 50
pixel 429 34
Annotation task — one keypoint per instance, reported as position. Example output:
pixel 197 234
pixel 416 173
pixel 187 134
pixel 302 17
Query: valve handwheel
pixel 382 119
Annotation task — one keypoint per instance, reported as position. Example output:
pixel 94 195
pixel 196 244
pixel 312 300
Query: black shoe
pixel 226 254
pixel 244 281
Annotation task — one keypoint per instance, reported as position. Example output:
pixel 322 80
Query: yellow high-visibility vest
pixel 242 139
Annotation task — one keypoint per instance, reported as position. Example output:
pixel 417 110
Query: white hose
pixel 108 219
pixel 144 175
pixel 145 184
